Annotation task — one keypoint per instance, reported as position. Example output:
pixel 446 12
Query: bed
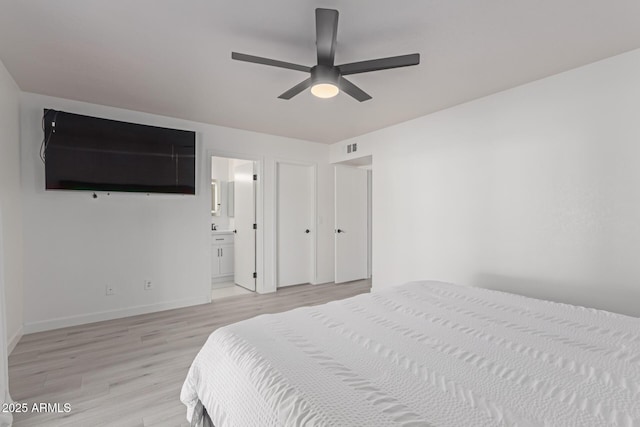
pixel 421 354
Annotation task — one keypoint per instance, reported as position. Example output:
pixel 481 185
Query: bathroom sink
pixel 221 231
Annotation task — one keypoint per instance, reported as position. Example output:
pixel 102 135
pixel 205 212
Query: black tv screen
pixel 90 153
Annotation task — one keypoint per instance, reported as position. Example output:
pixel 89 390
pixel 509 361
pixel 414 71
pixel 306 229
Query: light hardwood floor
pixel 129 372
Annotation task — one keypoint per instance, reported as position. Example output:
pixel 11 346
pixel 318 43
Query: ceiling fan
pixel 327 79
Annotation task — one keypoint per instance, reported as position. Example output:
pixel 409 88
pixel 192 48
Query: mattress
pixel 422 354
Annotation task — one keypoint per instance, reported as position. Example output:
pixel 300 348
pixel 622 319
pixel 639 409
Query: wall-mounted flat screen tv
pixel 95 154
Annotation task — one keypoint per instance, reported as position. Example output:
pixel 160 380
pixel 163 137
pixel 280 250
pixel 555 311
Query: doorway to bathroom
pixel 233 226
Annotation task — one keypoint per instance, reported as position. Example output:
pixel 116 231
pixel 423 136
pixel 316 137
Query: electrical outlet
pixel 148 285
pixel 110 290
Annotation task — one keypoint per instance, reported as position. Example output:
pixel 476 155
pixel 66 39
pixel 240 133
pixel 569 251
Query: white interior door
pixel 294 224
pixel 350 224
pixel 245 218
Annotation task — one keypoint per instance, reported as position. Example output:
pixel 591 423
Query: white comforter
pixel 422 354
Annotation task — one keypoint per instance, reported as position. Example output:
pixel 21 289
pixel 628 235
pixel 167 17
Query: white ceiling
pixel 173 57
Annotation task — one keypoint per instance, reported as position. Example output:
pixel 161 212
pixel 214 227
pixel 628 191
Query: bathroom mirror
pixel 215 197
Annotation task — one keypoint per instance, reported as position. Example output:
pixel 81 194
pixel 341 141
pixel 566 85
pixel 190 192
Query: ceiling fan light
pixel 325 90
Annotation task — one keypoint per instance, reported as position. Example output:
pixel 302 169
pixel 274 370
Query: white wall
pixel 11 279
pixel 6 418
pixel 535 190
pixel 10 203
pixel 75 245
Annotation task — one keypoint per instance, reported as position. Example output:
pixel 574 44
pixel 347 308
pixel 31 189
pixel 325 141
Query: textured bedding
pixel 422 354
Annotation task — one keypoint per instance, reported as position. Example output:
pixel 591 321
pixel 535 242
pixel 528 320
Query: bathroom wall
pixel 222 170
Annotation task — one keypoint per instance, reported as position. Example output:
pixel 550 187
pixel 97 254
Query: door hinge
pixel 255 226
pixel 255 177
pixel 255 275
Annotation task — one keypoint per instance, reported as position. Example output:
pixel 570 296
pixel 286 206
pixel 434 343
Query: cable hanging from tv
pixel 47 137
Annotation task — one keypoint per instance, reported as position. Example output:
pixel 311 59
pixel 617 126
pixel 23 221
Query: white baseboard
pixel 82 319
pixel 6 418
pixel 13 341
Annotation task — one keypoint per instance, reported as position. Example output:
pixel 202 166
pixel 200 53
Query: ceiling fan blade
pixel 326 31
pixel 379 64
pixel 266 61
pixel 353 90
pixel 296 89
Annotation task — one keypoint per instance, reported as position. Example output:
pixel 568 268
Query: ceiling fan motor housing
pixel 325 74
